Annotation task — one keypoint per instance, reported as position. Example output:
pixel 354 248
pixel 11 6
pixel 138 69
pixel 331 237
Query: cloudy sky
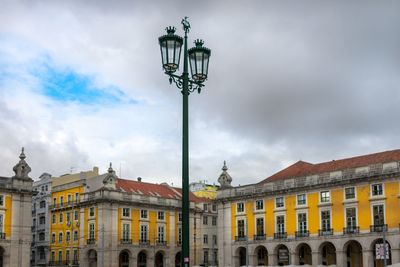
pixel 81 85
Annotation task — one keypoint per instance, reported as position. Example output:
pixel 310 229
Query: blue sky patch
pixel 67 85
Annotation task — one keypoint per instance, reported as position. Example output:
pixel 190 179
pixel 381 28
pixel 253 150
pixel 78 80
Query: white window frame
pixel 237 207
pixel 2 200
pixel 123 232
pixel 276 222
pixel 330 217
pixel 355 194
pixel 245 225
pixel 262 203
pixel 147 232
pixel 377 196
pixel 302 211
pixel 158 215
pixel 297 200
pixel 142 212
pixel 94 212
pixel 129 212
pixel 345 215
pixel 283 201
pixel 378 203
pixel 320 196
pixel 161 233
pixel 255 223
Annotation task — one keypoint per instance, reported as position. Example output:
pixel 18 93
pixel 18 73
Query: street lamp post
pixel 170 46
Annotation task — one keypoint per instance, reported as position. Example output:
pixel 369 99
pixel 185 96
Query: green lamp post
pixel 170 46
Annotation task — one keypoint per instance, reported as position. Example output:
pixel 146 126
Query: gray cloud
pixel 288 80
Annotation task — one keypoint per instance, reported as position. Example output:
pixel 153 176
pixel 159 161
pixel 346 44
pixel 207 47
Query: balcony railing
pixel 126 241
pixel 302 233
pixel 161 242
pixel 259 237
pixel 90 241
pixel 325 232
pixel 64 263
pixel 143 242
pixel 378 228
pixel 280 235
pixel 351 230
pixel 240 238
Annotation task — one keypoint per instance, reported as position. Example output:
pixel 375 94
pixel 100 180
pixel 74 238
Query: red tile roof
pixel 153 190
pixel 302 168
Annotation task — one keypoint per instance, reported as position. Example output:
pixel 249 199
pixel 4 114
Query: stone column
pixel 368 259
pixel 315 258
pixel 341 258
pixel 272 259
pixel 395 255
pixel 293 259
pixel 252 259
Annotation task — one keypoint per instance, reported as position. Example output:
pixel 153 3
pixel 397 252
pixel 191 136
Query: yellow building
pixel 15 216
pixel 108 221
pixel 335 212
pixel 65 217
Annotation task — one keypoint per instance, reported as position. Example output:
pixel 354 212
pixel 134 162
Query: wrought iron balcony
pixel 143 242
pixel 126 241
pixel 161 242
pixel 280 235
pixel 325 232
pixel 240 238
pixel 378 228
pixel 351 230
pixel 259 237
pixel 302 233
pixel 90 241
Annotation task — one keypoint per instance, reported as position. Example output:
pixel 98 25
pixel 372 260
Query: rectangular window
pixel 69 199
pixel 91 211
pixel 1 223
pixel 205 239
pixel 161 216
pixel 325 196
pixel 205 220
pixel 1 200
pixel 91 231
pixel 240 207
pixel 377 189
pixel 351 222
pixel 75 255
pixel 60 255
pixel 42 220
pixel 214 207
pixel 160 234
pixel 68 237
pixel 75 235
pixel 302 222
pixel 76 197
pixel 350 193
pixel 260 226
pixel 205 207
pixel 61 201
pixel 214 221
pixel 326 220
pixel 52 256
pixel 76 215
pixel 68 217
pixel 214 240
pixel 60 237
pixel 241 232
pixel 53 218
pixel 42 204
pixel 259 204
pixel 143 214
pixel 67 255
pixel 126 231
pixel 53 238
pixel 379 215
pixel 179 235
pixel 301 199
pixel 205 257
pixel 54 202
pixel 279 202
pixel 126 212
pixel 143 233
pixel 61 217
pixel 280 224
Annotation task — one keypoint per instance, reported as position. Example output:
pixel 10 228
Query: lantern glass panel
pixel 170 46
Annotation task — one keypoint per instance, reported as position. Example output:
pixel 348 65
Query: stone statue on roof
pixel 22 169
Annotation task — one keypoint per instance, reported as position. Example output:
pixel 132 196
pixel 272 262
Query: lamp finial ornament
pixel 186 24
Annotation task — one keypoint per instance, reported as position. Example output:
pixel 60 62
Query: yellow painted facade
pixel 364 201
